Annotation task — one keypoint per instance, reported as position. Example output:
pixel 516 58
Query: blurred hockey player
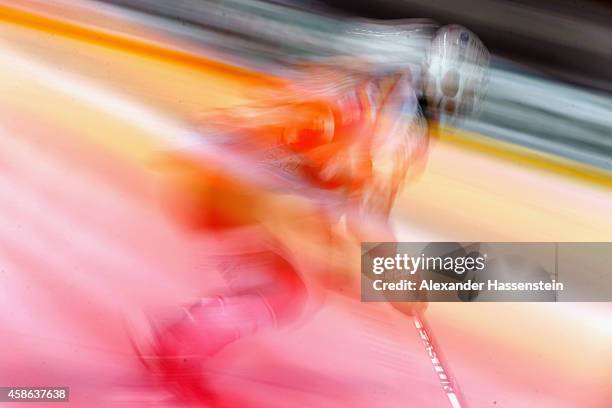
pixel 351 127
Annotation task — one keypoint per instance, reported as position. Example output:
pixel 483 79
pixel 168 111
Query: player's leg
pixel 264 291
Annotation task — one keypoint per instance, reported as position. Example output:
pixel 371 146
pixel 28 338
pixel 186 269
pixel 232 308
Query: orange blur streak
pixel 104 38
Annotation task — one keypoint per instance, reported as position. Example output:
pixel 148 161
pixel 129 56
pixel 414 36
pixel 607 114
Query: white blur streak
pixel 170 133
pixel 592 318
pixel 58 219
pixel 32 197
pixel 50 227
pixel 546 115
pixel 163 127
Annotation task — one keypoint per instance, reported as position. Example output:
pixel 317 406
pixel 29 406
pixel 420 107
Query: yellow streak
pixel 528 157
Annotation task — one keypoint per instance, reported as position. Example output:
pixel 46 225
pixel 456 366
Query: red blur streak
pixel 84 243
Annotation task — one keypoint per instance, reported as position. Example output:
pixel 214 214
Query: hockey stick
pixel 448 384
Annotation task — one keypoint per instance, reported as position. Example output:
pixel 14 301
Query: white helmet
pixel 456 73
